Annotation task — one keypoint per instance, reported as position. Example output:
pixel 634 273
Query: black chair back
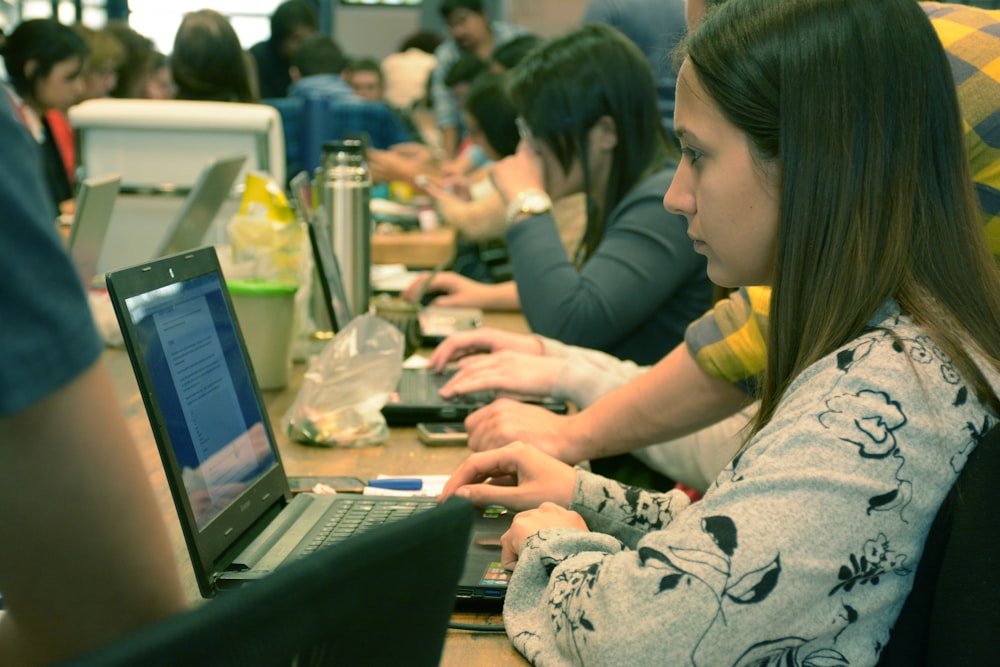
pixel 952 615
pixel 384 597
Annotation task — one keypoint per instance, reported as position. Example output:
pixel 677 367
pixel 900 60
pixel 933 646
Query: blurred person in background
pixel 471 32
pixel 365 77
pixel 100 70
pixel 507 55
pixel 291 23
pixel 208 62
pixel 135 67
pixel 160 83
pixel 407 72
pixel 44 61
pixel 655 26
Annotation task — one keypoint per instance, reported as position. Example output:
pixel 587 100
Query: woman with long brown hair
pixel 855 205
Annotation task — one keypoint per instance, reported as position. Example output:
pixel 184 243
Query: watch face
pixel 536 202
pixel 529 202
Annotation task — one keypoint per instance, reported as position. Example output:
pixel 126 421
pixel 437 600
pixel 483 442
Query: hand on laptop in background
pixel 453 289
pixel 481 341
pixel 506 420
pixel 516 373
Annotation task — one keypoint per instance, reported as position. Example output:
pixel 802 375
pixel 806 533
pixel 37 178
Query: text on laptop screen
pixel 205 391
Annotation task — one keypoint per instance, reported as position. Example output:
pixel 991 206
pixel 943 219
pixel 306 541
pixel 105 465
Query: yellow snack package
pixel 266 236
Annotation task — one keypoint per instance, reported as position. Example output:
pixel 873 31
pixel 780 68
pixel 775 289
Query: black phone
pixel 444 433
pixel 302 484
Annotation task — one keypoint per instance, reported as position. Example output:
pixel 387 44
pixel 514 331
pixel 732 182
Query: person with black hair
pixel 462 73
pixel 471 32
pixel 318 68
pixel 476 209
pixel 318 71
pixel 366 79
pixel 509 54
pixel 589 124
pixel 291 23
pixel 208 62
pixel 44 61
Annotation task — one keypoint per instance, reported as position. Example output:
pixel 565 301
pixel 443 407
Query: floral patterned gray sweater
pixel 801 553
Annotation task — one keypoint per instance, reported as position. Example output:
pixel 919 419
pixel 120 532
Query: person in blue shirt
pixel 656 26
pixel 471 31
pixel 291 23
pixel 317 73
pixel 84 552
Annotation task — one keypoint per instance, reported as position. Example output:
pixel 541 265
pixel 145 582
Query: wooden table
pixel 417 250
pixel 403 454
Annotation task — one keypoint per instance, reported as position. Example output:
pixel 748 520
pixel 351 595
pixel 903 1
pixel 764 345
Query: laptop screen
pixel 204 389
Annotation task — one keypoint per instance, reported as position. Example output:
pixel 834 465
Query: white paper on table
pixel 432 487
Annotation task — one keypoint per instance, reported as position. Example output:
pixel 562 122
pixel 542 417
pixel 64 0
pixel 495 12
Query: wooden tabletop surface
pixel 417 249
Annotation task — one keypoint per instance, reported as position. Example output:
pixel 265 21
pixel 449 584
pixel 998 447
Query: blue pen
pixel 397 484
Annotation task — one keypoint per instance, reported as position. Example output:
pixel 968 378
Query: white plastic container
pixel 265 310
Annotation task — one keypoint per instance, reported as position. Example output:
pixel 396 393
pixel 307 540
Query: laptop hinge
pixel 227 559
pixel 274 544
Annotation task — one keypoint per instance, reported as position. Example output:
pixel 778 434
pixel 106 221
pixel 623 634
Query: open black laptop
pixel 416 398
pixel 239 517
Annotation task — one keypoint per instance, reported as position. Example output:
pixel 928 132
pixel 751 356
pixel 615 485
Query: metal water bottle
pixel 346 194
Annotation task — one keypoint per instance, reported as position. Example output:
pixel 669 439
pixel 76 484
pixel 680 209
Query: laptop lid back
pixel 196 215
pixel 204 406
pixel 328 273
pixel 383 598
pixel 91 218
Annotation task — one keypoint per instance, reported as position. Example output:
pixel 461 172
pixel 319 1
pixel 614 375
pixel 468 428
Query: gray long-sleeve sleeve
pixel 635 295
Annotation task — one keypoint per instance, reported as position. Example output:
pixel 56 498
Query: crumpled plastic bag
pixel 266 237
pixel 346 385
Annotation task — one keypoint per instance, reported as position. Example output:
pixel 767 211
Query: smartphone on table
pixel 442 434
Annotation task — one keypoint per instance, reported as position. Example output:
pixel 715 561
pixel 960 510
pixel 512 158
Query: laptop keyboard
pixel 421 388
pixel 350 516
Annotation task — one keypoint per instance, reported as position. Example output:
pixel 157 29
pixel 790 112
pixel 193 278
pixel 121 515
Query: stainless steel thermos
pixel 346 193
